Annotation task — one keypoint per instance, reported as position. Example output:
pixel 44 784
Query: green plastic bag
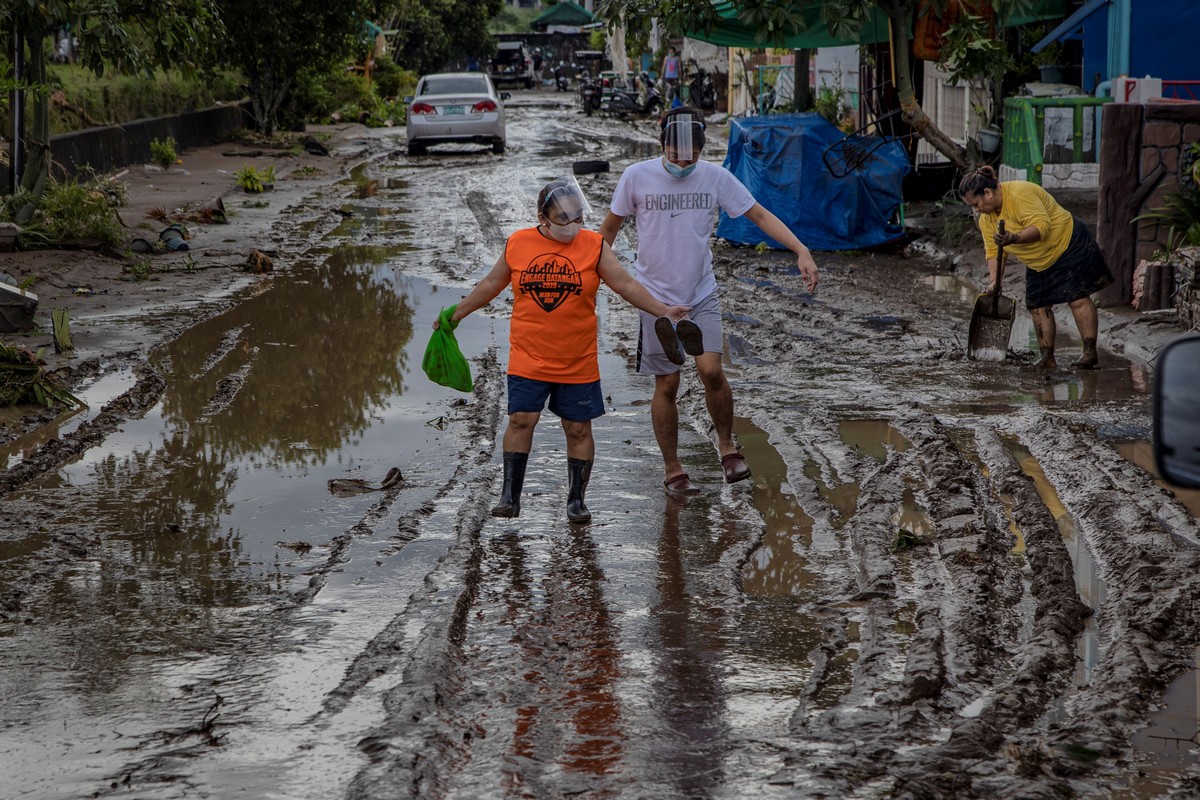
pixel 444 363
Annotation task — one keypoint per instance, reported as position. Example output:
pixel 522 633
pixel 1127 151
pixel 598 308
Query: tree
pixel 272 42
pixel 775 21
pixel 124 35
pixel 430 33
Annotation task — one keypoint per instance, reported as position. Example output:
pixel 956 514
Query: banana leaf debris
pixel 24 380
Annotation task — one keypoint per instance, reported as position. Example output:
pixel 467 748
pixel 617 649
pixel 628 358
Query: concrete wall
pixel 113 147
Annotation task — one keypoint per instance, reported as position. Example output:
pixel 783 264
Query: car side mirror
pixel 407 100
pixel 506 95
pixel 1177 412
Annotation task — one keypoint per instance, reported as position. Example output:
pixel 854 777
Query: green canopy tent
pixel 730 31
pixel 563 13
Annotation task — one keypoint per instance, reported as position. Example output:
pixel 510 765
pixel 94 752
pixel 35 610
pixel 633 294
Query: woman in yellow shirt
pixel 1064 263
pixel 555 271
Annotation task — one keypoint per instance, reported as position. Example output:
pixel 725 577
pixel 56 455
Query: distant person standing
pixel 675 199
pixel 670 73
pixel 1064 264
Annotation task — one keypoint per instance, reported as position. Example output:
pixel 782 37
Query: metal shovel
pixel 992 319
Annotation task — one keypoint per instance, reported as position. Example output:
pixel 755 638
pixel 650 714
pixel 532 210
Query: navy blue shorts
pixel 577 402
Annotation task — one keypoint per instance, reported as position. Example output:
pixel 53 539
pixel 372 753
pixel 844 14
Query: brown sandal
pixel 680 484
pixel 735 468
pixel 664 329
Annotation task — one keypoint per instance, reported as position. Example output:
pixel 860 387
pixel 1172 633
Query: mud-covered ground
pixel 946 579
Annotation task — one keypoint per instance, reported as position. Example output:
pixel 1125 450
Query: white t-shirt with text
pixel 675 219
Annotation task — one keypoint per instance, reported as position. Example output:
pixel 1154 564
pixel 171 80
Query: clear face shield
pixel 564 202
pixel 683 138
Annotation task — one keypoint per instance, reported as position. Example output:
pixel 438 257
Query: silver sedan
pixel 455 107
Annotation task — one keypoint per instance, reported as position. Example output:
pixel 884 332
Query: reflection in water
pixel 687 690
pixel 323 355
pixel 573 639
pixel 913 517
pixel 186 504
pixel 780 629
pixel 1167 746
pixel 775 568
pixel 872 437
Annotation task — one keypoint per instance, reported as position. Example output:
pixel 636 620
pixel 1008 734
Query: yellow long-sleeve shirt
pixel 1025 204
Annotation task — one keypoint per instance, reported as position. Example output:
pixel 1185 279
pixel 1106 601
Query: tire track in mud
pixel 982 664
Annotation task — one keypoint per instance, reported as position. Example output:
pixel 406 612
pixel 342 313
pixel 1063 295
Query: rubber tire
pixel 498 147
pixel 416 149
pixel 654 109
pixel 589 167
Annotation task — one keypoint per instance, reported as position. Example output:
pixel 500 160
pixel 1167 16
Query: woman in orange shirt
pixel 555 270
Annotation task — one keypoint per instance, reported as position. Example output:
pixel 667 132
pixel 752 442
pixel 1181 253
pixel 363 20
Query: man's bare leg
pixel 718 397
pixel 664 414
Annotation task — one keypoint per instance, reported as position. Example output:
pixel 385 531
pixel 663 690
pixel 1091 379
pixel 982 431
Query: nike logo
pixel 675 214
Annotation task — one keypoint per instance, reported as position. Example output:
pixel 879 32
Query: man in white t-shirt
pixel 675 200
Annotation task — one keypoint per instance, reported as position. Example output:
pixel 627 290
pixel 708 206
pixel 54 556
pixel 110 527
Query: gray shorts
pixel 651 360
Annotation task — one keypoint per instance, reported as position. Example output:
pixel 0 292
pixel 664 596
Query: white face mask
pixel 563 233
pixel 676 170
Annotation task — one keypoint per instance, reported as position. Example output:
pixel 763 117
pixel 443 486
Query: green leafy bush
pixel 163 152
pixel 70 211
pixel 389 80
pixel 318 98
pixel 254 180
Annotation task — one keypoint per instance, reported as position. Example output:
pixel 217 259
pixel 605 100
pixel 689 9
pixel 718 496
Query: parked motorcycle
pixel 561 81
pixel 702 90
pixel 626 102
pixel 590 92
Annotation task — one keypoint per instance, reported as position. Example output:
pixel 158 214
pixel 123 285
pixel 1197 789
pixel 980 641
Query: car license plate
pixel 448 110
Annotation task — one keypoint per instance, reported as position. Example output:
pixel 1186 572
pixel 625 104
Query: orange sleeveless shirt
pixel 552 336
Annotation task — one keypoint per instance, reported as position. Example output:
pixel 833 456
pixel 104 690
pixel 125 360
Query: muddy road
pixel 946 579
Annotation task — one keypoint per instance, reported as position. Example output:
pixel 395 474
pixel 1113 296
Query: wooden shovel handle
pixel 999 264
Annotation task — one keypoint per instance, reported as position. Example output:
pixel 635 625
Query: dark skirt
pixel 1079 272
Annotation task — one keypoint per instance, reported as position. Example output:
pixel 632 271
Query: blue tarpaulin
pixel 782 159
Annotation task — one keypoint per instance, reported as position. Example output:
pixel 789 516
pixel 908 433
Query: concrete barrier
pixel 112 147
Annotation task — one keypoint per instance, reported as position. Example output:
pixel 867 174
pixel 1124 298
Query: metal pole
pixel 17 104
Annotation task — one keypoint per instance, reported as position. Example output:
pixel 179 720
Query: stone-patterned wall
pixel 1071 176
pixel 1163 142
pixel 1141 151
pixel 1057 176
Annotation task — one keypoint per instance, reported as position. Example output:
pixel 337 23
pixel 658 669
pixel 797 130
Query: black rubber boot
pixel 514 479
pixel 579 472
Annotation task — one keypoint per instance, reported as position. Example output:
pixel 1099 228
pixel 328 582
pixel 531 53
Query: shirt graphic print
pixel 549 280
